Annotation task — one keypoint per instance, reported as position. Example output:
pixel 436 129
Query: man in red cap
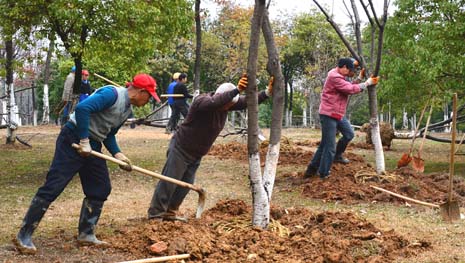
pixel 94 123
pixel 86 89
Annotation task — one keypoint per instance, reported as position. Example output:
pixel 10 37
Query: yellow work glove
pixel 84 147
pixel 242 85
pixel 128 166
pixel 269 89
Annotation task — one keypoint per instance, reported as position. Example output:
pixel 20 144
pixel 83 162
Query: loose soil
pixel 224 234
pixel 349 183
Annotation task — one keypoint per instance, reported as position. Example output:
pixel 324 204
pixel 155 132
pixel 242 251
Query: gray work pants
pixel 168 196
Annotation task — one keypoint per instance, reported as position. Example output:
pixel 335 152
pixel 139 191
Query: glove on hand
pixel 84 149
pixel 128 166
pixel 362 74
pixel 269 89
pixel 242 85
pixel 372 81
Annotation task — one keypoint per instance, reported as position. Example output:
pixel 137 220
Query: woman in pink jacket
pixel 333 106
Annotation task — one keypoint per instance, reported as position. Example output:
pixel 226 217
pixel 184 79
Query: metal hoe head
pixel 201 203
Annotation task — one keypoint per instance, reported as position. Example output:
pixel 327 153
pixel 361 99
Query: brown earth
pixel 224 234
pixel 350 183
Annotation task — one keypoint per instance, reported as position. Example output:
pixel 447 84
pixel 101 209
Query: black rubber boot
pixel 311 171
pixel 30 222
pixel 90 214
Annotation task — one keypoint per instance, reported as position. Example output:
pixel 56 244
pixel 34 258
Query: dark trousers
pixel 177 108
pixel 327 149
pixel 93 171
pixel 168 196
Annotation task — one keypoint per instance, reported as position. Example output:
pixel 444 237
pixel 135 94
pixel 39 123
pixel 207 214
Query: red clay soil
pixel 224 234
pixel 342 184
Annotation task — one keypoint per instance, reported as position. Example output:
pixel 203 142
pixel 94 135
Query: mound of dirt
pixel 225 234
pixel 350 183
pixel 289 153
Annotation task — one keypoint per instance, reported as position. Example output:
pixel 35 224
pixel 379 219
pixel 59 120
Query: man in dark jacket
pixel 179 105
pixel 204 122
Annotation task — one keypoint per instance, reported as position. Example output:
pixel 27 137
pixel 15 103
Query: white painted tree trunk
pixel 261 206
pixel 379 153
pixel 4 111
pixel 446 116
pixel 46 107
pixel 394 123
pixel 271 165
pixel 404 120
pixel 304 116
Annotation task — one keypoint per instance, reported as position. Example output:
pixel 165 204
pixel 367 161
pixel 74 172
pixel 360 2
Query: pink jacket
pixel 335 94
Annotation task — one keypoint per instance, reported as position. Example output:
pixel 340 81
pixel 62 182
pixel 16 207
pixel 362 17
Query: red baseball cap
pixel 146 82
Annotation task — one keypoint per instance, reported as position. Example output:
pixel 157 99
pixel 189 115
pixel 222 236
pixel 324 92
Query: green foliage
pixel 423 56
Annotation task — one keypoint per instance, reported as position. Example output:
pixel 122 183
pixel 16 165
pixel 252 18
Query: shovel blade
pixel 418 164
pixel 450 211
pixel 404 160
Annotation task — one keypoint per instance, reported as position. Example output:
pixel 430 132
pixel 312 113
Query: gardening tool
pixel 405 197
pixel 407 157
pixel 159 259
pixel 418 163
pixel 198 189
pixel 450 210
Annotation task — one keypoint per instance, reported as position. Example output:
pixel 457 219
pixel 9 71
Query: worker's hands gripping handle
pixel 243 82
pixel 128 166
pixel 84 147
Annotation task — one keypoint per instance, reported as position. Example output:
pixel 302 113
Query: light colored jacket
pixel 335 95
pixel 68 88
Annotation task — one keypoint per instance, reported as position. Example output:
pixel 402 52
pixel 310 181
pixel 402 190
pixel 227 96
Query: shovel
pixel 450 210
pixel 198 189
pixel 407 157
pixel 418 163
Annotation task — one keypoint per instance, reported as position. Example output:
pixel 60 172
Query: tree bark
pixel 274 69
pixel 12 109
pixel 259 196
pixel 46 104
pixel 198 46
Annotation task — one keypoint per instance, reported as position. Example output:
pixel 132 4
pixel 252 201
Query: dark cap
pixel 348 62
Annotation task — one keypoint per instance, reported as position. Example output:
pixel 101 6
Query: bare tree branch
pixel 339 32
pixel 358 33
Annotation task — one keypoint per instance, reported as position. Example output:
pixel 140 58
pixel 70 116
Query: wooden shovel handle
pixel 405 197
pixel 417 128
pixel 142 170
pixel 426 129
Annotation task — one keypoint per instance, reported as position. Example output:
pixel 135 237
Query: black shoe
pixel 340 159
pixel 311 171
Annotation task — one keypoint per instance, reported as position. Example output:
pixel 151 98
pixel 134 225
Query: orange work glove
pixel 372 81
pixel 269 89
pixel 242 85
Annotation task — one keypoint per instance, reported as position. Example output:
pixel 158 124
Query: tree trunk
pixel 46 104
pixel 260 214
pixel 198 47
pixel 274 69
pixel 12 109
